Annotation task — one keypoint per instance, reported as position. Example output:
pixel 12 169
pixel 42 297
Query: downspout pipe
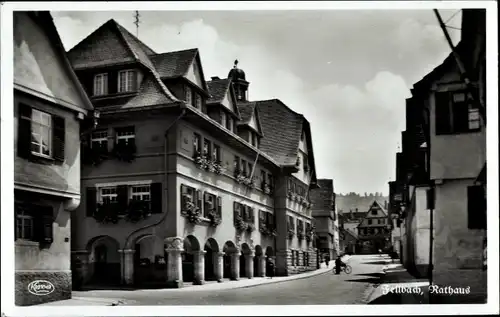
pixel 165 154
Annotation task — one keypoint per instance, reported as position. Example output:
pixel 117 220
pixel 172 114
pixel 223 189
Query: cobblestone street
pixel 323 289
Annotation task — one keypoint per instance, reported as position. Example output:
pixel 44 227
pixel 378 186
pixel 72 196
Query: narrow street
pixel 323 289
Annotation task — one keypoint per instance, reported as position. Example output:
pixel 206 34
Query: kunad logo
pixel 41 287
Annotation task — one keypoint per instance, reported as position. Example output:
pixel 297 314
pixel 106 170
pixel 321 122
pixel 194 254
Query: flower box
pixel 214 217
pixel 250 227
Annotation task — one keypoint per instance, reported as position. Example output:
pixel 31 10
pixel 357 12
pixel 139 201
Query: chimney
pixel 385 204
pixel 215 78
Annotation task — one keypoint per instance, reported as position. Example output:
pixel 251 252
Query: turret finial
pixel 235 63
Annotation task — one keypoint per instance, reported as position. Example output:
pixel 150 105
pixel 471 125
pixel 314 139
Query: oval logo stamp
pixel 41 287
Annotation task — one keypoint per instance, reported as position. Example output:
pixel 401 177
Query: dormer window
pixel 100 84
pixel 223 118
pixel 229 123
pixel 189 95
pixel 198 102
pixel 127 81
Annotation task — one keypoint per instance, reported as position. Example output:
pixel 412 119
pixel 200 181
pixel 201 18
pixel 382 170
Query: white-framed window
pixel 140 192
pixel 229 123
pixel 455 112
pixel 101 84
pixel 189 95
pixel 216 153
pixel 24 225
pixel 125 135
pixel 108 195
pixel 41 133
pixel 196 142
pixel 126 80
pixel 206 147
pixel 100 140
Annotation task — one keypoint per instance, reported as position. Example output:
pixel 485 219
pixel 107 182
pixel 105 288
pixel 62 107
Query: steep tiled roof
pixel 282 128
pixel 246 110
pixel 150 94
pixel 112 44
pixel 174 64
pixel 217 89
pixel 322 198
pixel 102 47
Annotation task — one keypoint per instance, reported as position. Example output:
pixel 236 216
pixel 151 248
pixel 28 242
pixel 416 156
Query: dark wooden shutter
pixel 122 193
pixel 58 138
pixel 43 217
pixel 113 82
pixel 198 201
pixel 270 220
pixel 206 203
pixel 252 215
pixel 156 198
pixel 219 206
pixel 442 112
pixel 24 132
pixel 183 197
pixel 236 211
pixel 91 201
pixel 476 207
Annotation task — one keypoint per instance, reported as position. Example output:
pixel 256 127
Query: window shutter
pixel 198 201
pixel 91 201
pixel 122 192
pixel 183 197
pixel 219 206
pixel 476 207
pixel 156 198
pixel 58 138
pixel 24 132
pixel 244 213
pixel 252 215
pixel 44 224
pixel 442 112
pixel 237 211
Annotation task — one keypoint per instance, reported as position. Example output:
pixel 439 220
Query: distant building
pixel 349 242
pixel 50 112
pixel 325 218
pixel 374 231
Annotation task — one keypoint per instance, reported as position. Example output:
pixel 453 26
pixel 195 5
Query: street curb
pixel 281 281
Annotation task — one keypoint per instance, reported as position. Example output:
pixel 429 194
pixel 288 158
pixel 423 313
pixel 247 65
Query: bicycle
pixel 347 269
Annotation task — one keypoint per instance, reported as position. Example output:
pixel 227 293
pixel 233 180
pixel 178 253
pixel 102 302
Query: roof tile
pixel 282 128
pixel 173 64
pixel 218 90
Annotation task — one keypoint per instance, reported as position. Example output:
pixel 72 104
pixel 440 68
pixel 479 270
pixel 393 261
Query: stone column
pixel 235 265
pixel 219 266
pixel 174 267
pixel 262 265
pixel 249 264
pixel 127 266
pixel 199 267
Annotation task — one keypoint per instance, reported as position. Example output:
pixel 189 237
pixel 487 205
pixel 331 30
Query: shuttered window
pixel 40 134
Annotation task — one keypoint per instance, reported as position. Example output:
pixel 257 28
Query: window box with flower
pixel 290 233
pixel 240 224
pixel 218 168
pixel 125 151
pixel 138 210
pixel 250 227
pixel 107 213
pixel 214 218
pixel 201 161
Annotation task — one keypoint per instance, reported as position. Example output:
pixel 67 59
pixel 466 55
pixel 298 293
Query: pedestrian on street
pixel 327 260
pixel 338 265
pixel 271 268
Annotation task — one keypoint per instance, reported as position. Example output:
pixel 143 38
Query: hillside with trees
pixel 350 201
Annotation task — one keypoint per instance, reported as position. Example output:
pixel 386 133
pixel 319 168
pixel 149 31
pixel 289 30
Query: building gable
pixel 40 64
pixel 303 144
pixel 228 102
pixel 194 74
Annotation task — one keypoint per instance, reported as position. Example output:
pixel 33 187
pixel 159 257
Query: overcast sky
pixel 348 72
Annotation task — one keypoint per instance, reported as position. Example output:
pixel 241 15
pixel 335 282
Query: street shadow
pixel 400 277
pixel 379 275
pixel 378 262
pixel 373 280
pixel 139 286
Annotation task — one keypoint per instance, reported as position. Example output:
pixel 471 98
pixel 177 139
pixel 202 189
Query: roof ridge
pixel 133 36
pixel 171 52
pixel 97 29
